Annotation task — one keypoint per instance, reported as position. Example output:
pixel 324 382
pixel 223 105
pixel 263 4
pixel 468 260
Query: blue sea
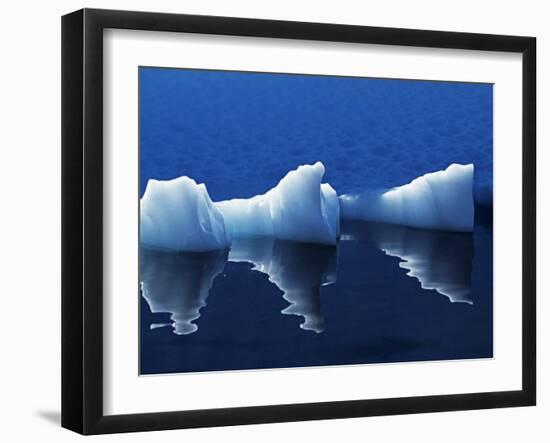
pixel 275 304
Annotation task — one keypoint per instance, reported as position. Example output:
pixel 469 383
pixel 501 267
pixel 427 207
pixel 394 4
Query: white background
pixel 30 234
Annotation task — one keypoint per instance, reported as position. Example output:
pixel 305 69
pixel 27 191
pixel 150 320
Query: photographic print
pixel 292 220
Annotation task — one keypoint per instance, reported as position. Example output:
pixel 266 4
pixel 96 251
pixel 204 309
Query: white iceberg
pixel 438 200
pixel 179 215
pixel 300 208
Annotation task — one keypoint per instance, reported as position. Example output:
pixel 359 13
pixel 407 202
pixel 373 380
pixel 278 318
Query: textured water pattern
pixel 241 132
pixel 383 293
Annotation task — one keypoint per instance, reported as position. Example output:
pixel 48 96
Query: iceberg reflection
pixel 178 283
pixel 297 269
pixel 439 260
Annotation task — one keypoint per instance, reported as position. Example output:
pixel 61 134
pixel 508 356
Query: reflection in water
pixel 179 283
pixel 297 269
pixel 439 260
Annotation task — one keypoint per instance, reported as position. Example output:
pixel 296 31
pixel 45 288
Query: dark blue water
pixel 267 303
pixel 240 133
pixel 309 305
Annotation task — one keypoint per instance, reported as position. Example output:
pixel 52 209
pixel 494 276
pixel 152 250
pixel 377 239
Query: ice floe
pixel 437 200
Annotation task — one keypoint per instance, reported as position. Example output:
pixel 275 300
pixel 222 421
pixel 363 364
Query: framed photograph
pixel 269 221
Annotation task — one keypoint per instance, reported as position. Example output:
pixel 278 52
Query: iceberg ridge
pixel 300 208
pixel 437 200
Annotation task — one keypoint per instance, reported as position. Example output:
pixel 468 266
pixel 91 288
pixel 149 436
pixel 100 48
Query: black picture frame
pixel 82 215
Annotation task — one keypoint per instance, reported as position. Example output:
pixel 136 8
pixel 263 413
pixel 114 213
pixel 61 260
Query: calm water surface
pixel 384 294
